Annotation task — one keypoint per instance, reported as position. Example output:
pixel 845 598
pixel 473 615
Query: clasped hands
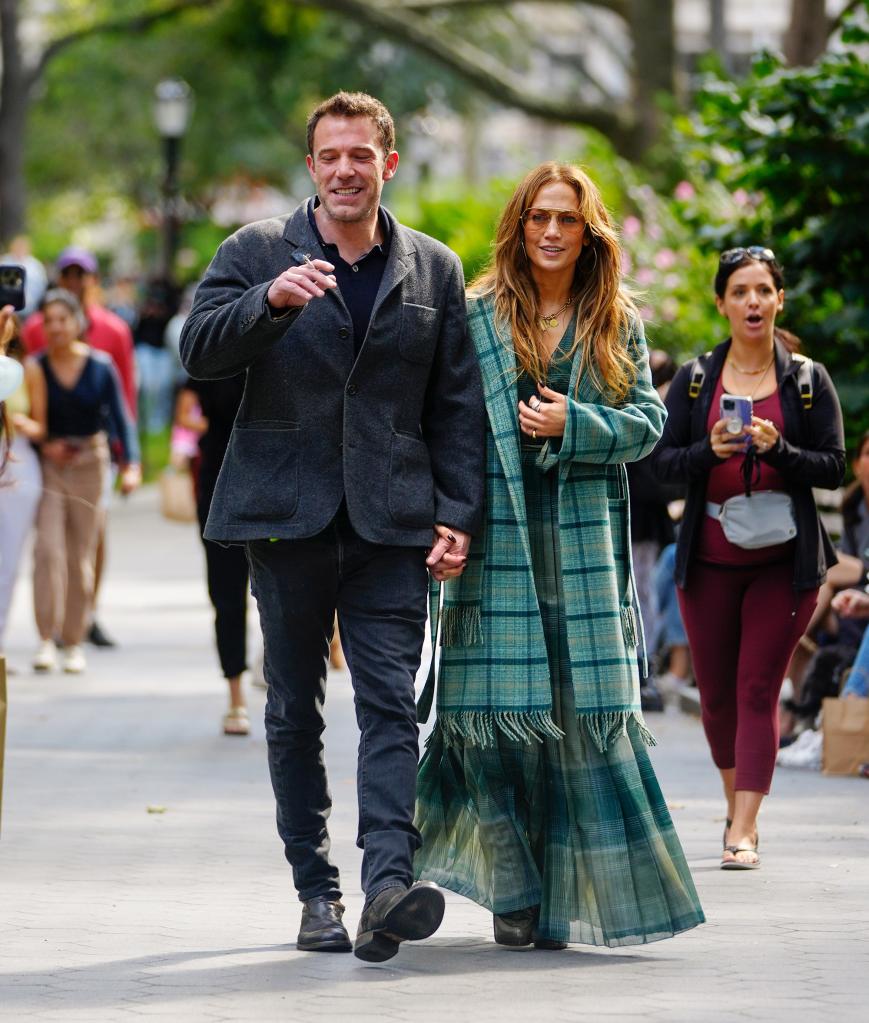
pixel 544 418
pixel 449 553
pixel 762 432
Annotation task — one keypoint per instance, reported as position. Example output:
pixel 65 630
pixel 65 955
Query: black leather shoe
pixel 322 930
pixel 398 914
pixel 517 928
pixel 96 636
pixel 549 945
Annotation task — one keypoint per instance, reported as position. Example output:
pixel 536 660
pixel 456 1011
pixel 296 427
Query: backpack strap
pixel 805 381
pixel 698 374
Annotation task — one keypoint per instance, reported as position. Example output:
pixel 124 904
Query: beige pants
pixel 68 526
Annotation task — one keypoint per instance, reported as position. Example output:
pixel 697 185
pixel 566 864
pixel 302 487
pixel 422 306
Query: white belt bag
pixel 762 519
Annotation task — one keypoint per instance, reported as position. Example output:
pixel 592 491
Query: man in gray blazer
pixel 356 462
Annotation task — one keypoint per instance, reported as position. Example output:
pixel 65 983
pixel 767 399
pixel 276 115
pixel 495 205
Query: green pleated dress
pixel 582 834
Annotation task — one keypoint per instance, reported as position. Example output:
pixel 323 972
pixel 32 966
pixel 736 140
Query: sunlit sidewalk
pixel 140 873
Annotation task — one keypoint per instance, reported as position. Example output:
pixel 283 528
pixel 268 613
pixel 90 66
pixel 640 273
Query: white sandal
pixel 236 721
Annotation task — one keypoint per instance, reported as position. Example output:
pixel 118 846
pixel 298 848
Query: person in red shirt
pixel 77 271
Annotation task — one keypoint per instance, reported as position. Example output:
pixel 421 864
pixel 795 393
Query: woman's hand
pixel 764 434
pixel 725 444
pixel 131 478
pixel 544 416
pixel 57 451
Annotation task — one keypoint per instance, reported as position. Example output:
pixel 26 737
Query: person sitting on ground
pixel 854 604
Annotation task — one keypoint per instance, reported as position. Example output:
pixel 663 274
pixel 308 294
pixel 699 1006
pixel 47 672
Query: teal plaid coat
pixel 494 670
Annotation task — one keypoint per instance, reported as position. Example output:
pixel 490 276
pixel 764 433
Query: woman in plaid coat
pixel 536 794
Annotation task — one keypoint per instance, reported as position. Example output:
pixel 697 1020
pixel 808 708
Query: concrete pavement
pixel 111 912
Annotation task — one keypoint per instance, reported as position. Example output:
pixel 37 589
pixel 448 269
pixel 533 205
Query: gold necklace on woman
pixel 754 372
pixel 551 320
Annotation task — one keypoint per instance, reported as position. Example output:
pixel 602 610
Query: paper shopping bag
pixel 845 725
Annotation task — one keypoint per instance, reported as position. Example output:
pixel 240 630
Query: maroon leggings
pixel 743 624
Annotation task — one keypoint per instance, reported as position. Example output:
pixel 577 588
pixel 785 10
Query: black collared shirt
pixel 359 282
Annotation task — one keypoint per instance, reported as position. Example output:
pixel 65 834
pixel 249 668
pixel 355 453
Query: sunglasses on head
pixel 731 256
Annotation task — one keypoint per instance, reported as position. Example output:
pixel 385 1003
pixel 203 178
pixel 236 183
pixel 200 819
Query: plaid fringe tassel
pixel 605 728
pixel 461 625
pixel 477 727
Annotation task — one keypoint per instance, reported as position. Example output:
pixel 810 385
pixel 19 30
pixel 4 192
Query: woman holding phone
pixel 83 398
pixel 750 420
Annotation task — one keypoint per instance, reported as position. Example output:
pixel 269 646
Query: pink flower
pixel 647 313
pixel 645 275
pixel 655 231
pixel 665 258
pixel 627 263
pixel 631 227
pixel 684 191
pixel 741 197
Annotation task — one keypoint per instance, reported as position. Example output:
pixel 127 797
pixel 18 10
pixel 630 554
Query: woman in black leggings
pixel 209 407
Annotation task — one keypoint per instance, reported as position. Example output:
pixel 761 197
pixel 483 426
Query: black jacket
pixel 397 431
pixel 809 453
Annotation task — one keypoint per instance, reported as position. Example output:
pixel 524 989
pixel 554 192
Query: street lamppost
pixel 172 109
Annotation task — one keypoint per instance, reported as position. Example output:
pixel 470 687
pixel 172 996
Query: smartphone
pixel 736 411
pixel 12 278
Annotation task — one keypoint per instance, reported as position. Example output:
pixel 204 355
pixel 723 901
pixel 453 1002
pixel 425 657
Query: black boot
pixel 322 930
pixel 398 914
pixel 517 928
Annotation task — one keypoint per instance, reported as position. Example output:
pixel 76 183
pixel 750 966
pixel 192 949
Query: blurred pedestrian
pixel 21 483
pixel 83 395
pixel 651 531
pixel 537 798
pixel 78 273
pixel 359 443
pixel 854 604
pixel 208 408
pixel 747 594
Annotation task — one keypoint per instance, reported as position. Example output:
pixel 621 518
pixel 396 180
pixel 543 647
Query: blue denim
pixel 858 680
pixel 379 593
pixel 671 630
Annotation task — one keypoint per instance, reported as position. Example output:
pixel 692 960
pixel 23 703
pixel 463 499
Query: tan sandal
pixel 236 721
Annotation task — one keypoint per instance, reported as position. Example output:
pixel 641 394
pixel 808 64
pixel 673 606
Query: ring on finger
pixel 534 435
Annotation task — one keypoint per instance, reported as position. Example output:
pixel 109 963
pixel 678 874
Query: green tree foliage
pixel 798 140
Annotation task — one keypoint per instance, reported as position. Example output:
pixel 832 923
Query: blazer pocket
pixel 419 332
pixel 263 459
pixel 411 489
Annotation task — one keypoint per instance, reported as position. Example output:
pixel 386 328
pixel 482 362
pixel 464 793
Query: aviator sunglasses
pixel 731 256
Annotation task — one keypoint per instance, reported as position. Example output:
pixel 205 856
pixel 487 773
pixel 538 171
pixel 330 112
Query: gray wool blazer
pixel 398 431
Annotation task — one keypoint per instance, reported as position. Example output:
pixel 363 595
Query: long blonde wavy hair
pixel 605 309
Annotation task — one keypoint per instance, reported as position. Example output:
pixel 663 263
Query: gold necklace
pixel 748 372
pixel 551 320
pixel 762 378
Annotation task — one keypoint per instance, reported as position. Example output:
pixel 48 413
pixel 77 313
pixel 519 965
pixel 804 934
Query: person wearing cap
pixel 78 272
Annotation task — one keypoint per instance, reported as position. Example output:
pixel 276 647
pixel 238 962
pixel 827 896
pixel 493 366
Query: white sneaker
pixel 74 662
pixel 45 658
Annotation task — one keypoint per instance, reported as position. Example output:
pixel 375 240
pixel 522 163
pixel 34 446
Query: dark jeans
pixel 227 573
pixel 379 593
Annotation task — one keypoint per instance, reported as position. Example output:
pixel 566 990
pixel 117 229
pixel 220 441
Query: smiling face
pixel 554 242
pixel 751 302
pixel 61 325
pixel 349 167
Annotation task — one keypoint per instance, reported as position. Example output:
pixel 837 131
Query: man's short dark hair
pixel 355 104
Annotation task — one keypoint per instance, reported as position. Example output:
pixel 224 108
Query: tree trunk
pixel 653 34
pixel 718 31
pixel 14 100
pixel 806 37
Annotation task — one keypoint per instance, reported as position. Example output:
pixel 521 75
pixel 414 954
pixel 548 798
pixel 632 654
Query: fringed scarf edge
pixel 478 727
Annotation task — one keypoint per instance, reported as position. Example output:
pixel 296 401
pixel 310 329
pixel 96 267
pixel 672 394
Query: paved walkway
pixel 111 911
